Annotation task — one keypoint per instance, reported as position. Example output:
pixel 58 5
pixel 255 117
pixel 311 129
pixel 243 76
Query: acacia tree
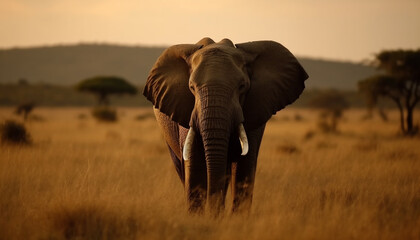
pixel 104 86
pixel 399 82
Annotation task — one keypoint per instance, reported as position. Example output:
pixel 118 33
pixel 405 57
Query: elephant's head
pixel 219 90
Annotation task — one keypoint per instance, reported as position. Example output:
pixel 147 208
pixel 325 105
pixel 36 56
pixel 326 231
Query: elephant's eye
pixel 241 87
pixel 192 88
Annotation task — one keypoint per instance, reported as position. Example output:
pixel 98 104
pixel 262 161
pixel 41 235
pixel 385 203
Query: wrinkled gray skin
pixel 211 89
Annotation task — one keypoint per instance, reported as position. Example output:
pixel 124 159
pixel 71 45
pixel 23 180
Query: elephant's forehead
pixel 218 51
pixel 219 48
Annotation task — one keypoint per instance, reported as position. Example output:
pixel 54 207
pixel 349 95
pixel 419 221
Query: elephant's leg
pixel 195 176
pixel 228 178
pixel 243 173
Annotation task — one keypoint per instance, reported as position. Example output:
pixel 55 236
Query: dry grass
pixel 86 180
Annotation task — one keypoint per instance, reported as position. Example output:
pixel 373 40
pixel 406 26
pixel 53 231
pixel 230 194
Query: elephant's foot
pixel 216 204
pixel 195 188
pixel 196 202
pixel 242 203
pixel 242 190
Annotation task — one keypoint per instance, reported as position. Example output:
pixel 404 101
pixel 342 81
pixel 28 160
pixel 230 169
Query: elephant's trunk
pixel 216 141
pixel 215 127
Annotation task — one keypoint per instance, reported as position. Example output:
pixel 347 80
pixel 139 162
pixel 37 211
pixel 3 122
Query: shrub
pixel 298 117
pixel 144 116
pixel 82 116
pixel 104 114
pixel 14 132
pixel 309 135
pixel 287 148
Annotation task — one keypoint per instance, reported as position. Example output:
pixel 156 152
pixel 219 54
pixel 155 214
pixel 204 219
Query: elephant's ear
pixel 277 80
pixel 167 83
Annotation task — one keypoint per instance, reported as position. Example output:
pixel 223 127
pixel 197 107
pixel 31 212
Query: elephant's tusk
pixel 243 139
pixel 186 153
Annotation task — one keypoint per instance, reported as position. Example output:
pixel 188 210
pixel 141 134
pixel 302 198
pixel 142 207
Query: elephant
pixel 212 101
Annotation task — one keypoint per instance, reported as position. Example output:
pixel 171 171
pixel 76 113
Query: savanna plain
pixel 80 179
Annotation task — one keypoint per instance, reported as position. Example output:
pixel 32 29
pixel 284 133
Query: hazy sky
pixel 333 29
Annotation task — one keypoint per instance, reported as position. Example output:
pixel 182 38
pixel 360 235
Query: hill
pixel 67 64
pixel 334 74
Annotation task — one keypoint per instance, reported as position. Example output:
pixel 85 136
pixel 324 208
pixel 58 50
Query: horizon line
pixel 146 45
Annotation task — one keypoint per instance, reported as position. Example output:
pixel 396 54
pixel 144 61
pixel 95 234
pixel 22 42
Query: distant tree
pixel 104 86
pixel 25 109
pixel 332 104
pixel 371 88
pixel 22 82
pixel 399 82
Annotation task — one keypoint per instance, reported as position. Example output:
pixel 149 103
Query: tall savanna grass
pixel 80 179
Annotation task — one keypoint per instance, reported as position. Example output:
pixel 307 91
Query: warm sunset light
pixel 210 119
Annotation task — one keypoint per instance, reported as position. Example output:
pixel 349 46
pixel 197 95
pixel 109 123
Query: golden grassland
pixel 86 180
